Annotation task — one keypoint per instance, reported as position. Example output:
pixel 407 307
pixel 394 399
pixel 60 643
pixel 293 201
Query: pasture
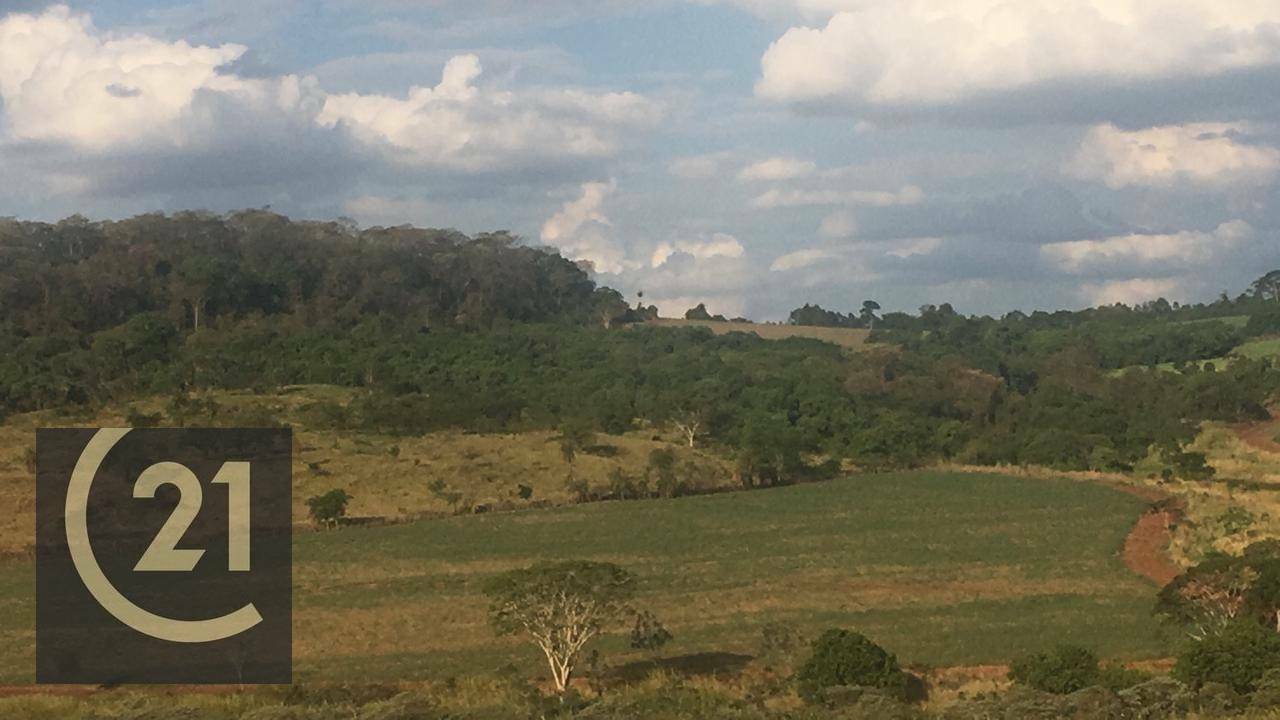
pixel 945 568
pixel 392 478
pixel 1254 350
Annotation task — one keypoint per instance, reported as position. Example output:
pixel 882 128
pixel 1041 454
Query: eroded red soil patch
pixel 1146 548
pixel 1261 436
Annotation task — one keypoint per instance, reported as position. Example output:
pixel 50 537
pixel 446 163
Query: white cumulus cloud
pixel 896 52
pixel 582 231
pixel 62 80
pixel 1131 253
pixel 1198 154
pixel 718 245
pixel 461 125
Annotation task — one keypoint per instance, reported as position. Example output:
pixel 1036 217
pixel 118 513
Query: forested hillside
pixel 438 330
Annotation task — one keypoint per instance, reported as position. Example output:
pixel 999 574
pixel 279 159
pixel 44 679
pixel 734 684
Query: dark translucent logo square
pixel 163 556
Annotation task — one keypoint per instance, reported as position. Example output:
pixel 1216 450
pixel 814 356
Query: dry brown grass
pixel 389 477
pixel 851 338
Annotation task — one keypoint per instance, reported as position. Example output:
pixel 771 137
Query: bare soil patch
pixel 1261 436
pixel 1146 548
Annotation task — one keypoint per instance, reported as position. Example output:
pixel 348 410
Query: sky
pixel 753 155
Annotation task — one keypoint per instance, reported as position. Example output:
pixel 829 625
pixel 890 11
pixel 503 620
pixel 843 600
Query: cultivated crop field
pixel 946 568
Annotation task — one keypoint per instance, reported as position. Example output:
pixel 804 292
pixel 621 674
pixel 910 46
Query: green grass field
pixel 944 568
pixel 1254 349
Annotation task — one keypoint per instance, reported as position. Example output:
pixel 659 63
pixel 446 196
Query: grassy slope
pixel 945 568
pixel 1248 479
pixel 1254 349
pixel 483 469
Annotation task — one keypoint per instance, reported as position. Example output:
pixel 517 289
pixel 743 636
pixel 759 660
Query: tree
pixel 846 658
pixel 689 423
pixel 1061 672
pixel 328 510
pixel 1267 287
pixel 561 607
pixel 574 436
pixel 1264 595
pixel 649 633
pixel 1238 656
pixel 698 313
pixel 868 313
pixel 1209 597
pixel 662 470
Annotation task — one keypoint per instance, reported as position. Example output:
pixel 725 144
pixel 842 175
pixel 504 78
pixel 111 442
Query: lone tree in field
pixel 689 423
pixel 561 606
pixel 328 509
pixel 868 313
pixel 574 438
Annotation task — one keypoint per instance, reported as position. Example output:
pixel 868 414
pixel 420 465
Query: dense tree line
pixel 1116 336
pixel 77 277
pixel 440 330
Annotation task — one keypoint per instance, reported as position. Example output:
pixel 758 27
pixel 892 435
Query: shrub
pixel 330 508
pixel 1118 677
pixel 625 487
pixel 136 418
pixel 1267 694
pixel 1237 658
pixel 649 633
pixel 1157 698
pixel 1061 672
pixel 662 469
pixel 846 658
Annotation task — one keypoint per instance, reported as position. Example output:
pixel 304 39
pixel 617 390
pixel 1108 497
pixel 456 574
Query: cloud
pixel 718 245
pixel 922 52
pixel 714 270
pixel 778 168
pixel 801 259
pixel 458 125
pixel 63 82
pixel 674 274
pixel 372 210
pixel 1040 214
pixel 699 167
pixel 1148 254
pixel 776 198
pixel 1129 292
pixel 88 115
pixel 581 230
pixel 1201 155
pixel 838 225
